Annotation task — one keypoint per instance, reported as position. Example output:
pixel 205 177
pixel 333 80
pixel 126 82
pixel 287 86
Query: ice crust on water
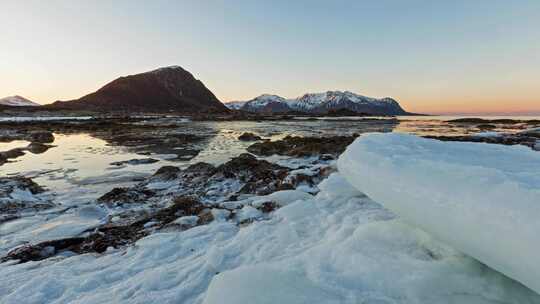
pixel 336 247
pixel 482 199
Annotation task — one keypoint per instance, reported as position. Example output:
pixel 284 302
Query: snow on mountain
pixel 325 102
pixel 17 101
pixel 235 105
pixel 334 100
pixel 266 103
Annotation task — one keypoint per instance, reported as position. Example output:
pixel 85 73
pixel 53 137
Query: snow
pixel 282 198
pixel 265 99
pixel 279 286
pixel 311 101
pixel 336 247
pixel 482 199
pixel 17 101
pixel 235 105
pixel 189 221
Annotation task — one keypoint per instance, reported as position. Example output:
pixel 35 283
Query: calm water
pixel 83 162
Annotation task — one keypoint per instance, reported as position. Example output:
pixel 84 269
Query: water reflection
pixel 85 158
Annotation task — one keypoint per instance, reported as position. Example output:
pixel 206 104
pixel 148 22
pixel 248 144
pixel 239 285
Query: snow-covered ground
pixel 483 199
pixel 17 101
pixel 338 246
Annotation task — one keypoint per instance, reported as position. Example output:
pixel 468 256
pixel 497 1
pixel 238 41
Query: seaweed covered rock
pixel 248 136
pixel 302 146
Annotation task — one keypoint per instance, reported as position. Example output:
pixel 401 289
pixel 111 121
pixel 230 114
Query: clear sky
pixel 432 56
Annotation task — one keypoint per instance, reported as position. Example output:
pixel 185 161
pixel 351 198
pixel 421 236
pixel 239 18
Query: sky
pixel 432 56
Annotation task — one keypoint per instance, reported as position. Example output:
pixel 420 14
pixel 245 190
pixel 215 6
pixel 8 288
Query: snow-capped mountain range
pixel 17 101
pixel 320 103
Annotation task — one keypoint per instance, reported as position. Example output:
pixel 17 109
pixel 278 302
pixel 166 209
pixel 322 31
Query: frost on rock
pixel 482 199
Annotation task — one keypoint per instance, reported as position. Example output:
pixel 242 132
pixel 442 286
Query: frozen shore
pixel 337 246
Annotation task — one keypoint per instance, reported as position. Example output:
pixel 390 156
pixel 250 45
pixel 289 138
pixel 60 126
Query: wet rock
pixel 260 177
pixel 166 173
pixel 9 184
pixel 268 207
pixel 135 161
pixel 474 120
pixel 37 252
pixel 302 146
pixel 11 154
pixel 248 136
pixel 115 236
pixel 17 194
pixel 40 137
pixel 501 139
pixel 486 127
pixel 38 148
pixel 121 196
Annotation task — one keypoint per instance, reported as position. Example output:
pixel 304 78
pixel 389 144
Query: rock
pixel 13 153
pixel 166 173
pixel 501 139
pixel 40 137
pixel 302 146
pixel 268 207
pixel 38 148
pixel 120 196
pixel 9 184
pixel 486 127
pixel 17 195
pixel 248 136
pixel 135 161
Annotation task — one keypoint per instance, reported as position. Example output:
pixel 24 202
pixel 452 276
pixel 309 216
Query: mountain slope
pixel 235 105
pixel 165 89
pixel 266 103
pixel 17 101
pixel 321 103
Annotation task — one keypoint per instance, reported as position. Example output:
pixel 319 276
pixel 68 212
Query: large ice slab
pixel 482 199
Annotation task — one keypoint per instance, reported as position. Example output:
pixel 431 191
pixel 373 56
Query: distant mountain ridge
pixel 162 90
pixel 17 101
pixel 321 103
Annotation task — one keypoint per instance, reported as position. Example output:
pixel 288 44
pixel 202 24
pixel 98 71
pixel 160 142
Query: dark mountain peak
pixel 165 89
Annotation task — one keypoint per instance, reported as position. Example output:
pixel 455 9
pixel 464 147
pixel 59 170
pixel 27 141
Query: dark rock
pixel 486 127
pixel 40 137
pixel 120 196
pixel 38 148
pixel 135 161
pixel 8 184
pixel 167 173
pixel 13 153
pixel 504 139
pixel 111 235
pixel 248 136
pixel 302 146
pixel 268 207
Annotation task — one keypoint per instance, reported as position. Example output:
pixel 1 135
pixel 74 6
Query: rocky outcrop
pixel 248 136
pixel 303 146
